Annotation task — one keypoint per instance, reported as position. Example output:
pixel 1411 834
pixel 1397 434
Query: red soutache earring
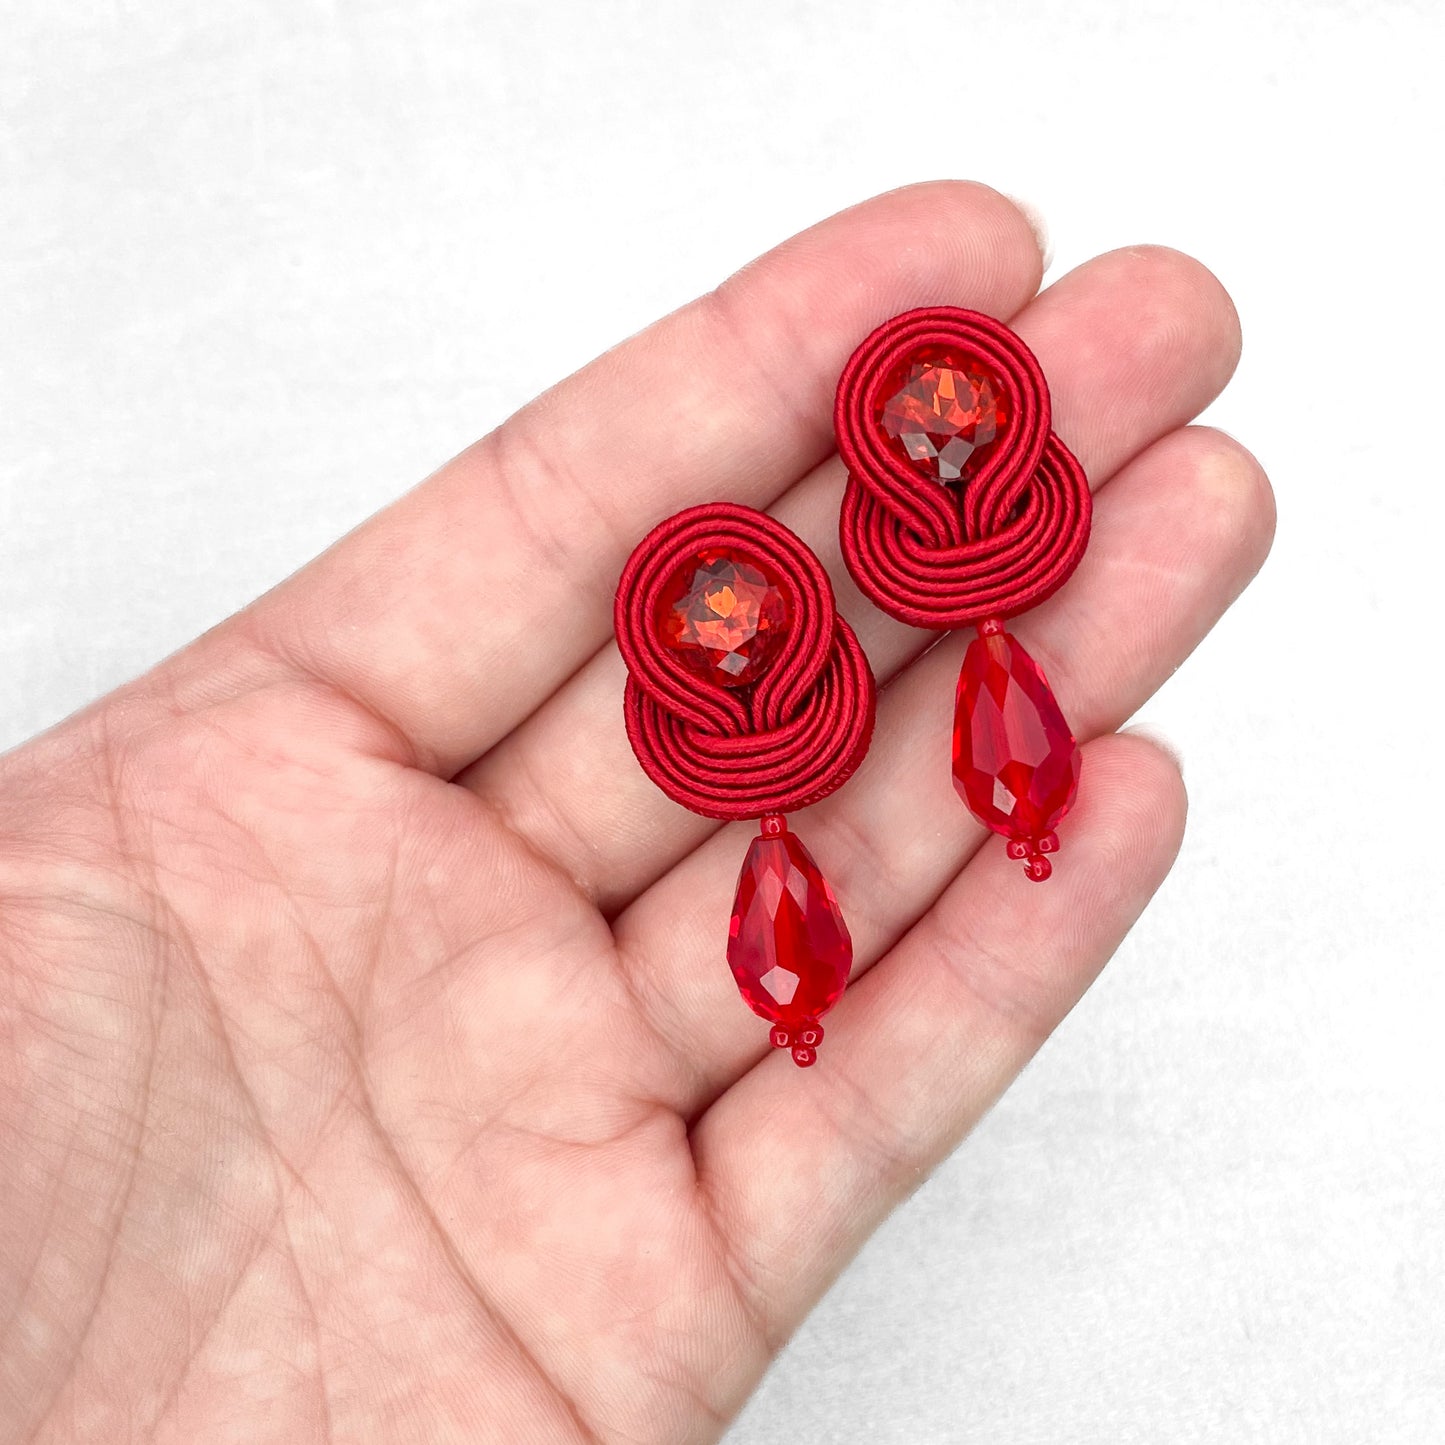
pixel 963 507
pixel 749 697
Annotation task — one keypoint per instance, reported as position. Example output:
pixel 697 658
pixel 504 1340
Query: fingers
pixel 1134 343
pixel 458 610
pixel 1178 534
pixel 800 1167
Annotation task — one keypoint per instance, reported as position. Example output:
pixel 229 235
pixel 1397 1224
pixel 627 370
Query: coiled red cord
pixel 1023 521
pixel 796 734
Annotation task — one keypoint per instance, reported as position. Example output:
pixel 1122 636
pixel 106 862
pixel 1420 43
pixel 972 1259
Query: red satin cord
pixel 792 738
pixel 1023 522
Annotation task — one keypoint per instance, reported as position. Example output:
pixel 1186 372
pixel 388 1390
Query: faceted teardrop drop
pixel 1015 762
pixel 788 946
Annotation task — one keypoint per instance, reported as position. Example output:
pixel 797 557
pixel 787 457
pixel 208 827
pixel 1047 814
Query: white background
pixel 266 264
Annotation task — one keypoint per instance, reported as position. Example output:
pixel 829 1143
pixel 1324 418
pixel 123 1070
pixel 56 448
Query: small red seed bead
pixel 803 1058
pixel 773 825
pixel 810 1035
pixel 990 627
pixel 1049 843
pixel 1018 848
pixel 1038 868
pixel 780 1036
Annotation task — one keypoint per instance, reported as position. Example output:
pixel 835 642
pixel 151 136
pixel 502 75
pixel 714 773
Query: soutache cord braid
pixel 792 738
pixel 1024 519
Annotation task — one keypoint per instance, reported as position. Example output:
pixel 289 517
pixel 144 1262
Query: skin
pixel 368 1066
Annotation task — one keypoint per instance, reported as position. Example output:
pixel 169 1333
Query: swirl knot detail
pixel 922 553
pixel 790 737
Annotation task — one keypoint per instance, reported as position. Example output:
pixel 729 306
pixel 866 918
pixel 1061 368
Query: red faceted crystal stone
pixel 1015 762
pixel 941 410
pixel 788 946
pixel 723 617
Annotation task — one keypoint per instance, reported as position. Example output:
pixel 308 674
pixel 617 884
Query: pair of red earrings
pixel 749 697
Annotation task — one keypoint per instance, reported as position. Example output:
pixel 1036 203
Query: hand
pixel 369 1066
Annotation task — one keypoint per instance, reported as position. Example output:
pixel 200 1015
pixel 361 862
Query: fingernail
pixel 1165 745
pixel 1037 225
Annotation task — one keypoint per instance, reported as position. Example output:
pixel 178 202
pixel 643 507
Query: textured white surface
pixel 262 265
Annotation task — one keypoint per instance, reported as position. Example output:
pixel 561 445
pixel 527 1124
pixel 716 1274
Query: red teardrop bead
pixel 788 946
pixel 1015 762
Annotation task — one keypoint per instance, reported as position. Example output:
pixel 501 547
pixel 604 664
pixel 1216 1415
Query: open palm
pixel 369 1067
